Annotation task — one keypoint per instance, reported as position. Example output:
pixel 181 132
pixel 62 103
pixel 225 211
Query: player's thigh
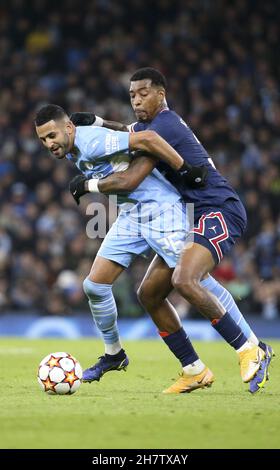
pixel 119 248
pixel 167 233
pixel 212 237
pixel 217 229
pixel 156 285
pixel 195 262
pixel 105 271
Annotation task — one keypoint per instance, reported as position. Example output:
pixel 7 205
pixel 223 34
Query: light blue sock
pixel 103 308
pixel 226 299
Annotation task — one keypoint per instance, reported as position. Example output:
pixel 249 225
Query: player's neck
pixel 73 149
pixel 161 108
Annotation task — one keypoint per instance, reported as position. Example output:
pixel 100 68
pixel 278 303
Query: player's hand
pixel 194 176
pixel 83 119
pixel 77 187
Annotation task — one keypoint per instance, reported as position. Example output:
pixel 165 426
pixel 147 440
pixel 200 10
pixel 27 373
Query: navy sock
pixel 181 346
pixel 230 331
pixel 228 302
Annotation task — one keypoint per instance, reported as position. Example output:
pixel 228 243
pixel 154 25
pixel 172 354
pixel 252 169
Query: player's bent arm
pixel 124 181
pixel 150 141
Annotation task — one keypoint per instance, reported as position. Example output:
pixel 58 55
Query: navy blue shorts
pixel 218 228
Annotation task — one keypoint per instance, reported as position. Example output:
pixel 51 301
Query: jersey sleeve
pixel 130 127
pixel 169 127
pixel 137 126
pixel 104 142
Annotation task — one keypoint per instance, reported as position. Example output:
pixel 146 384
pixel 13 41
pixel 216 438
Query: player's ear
pixel 161 94
pixel 69 127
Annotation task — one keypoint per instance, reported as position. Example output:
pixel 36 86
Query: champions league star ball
pixel 59 373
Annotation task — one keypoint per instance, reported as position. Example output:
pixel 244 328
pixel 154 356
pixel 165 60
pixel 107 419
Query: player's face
pixel 146 99
pixel 57 136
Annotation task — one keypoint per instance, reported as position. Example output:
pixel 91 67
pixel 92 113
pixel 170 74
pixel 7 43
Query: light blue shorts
pixel 165 234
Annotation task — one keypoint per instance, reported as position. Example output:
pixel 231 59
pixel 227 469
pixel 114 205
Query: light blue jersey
pixel 153 216
pixel 102 152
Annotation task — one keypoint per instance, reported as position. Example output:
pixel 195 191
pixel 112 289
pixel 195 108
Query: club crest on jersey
pixel 89 166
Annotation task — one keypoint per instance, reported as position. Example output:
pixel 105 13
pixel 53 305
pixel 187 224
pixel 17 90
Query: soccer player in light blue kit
pixel 98 152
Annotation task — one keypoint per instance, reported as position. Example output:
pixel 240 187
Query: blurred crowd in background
pixel 221 60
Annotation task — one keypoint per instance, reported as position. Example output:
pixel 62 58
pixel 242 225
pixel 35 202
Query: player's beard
pixel 141 116
pixel 65 148
pixel 60 157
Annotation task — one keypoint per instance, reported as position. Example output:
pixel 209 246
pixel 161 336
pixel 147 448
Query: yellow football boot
pixel 250 362
pixel 187 383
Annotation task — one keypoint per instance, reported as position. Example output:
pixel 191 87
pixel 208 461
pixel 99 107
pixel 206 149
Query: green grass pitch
pixel 127 409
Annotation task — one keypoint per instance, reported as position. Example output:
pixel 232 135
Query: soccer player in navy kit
pixel 219 219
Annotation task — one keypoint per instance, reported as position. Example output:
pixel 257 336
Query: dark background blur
pixel 222 66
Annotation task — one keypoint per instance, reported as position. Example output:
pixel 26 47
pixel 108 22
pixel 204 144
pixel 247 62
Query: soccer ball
pixel 59 373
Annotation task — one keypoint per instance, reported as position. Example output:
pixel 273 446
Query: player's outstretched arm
pixel 124 181
pixel 90 119
pixel 115 126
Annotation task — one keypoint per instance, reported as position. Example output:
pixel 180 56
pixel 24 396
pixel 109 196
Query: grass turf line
pixel 128 410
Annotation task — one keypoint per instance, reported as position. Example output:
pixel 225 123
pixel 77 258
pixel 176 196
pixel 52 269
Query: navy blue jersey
pixel 177 133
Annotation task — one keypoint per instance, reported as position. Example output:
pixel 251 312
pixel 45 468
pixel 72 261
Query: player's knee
pixel 147 295
pixel 185 284
pixel 96 291
pixel 143 294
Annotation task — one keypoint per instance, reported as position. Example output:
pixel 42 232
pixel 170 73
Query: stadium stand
pixel 223 79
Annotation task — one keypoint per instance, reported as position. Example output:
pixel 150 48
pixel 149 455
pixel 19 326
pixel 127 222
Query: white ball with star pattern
pixel 60 373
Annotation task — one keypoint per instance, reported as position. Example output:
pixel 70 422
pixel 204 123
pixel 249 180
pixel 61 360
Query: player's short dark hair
pixel 48 113
pixel 156 77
